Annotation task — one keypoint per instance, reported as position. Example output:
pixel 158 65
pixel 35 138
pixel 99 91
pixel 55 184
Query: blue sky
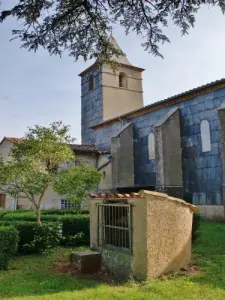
pixel 36 88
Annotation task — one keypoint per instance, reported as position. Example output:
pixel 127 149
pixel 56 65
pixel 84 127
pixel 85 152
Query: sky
pixel 36 88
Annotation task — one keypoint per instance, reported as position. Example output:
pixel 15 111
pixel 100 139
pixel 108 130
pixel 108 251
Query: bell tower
pixel 108 93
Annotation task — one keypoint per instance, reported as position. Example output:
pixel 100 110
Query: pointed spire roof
pixel 122 59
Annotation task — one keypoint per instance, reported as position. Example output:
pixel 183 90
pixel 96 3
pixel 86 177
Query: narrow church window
pixel 91 83
pixel 205 136
pixel 151 146
pixel 122 80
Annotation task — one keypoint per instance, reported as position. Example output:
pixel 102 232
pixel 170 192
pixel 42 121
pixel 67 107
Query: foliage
pixel 75 182
pixel 34 238
pixel 8 245
pixel 75 227
pixel 33 163
pixel 35 278
pixel 46 237
pixel 30 217
pixel 195 226
pixel 82 27
pixel 64 212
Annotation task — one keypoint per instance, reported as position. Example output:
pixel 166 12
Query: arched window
pixel 123 80
pixel 205 136
pixel 91 83
pixel 151 146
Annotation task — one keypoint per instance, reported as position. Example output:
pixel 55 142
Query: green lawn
pixel 32 277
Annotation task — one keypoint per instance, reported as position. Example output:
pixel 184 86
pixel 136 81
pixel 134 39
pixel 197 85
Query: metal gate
pixel 115 226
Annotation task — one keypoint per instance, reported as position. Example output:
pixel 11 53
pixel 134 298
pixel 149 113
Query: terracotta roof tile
pixel 12 139
pixel 89 149
pixel 75 147
pixel 114 196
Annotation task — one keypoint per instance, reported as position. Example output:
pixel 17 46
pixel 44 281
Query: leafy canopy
pixel 33 163
pixel 75 182
pixel 82 27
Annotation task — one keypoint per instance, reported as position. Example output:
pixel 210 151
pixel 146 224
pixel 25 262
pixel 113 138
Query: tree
pixel 76 182
pixel 33 164
pixel 82 27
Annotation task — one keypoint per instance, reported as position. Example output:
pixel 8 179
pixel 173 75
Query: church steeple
pixel 107 93
pixel 122 59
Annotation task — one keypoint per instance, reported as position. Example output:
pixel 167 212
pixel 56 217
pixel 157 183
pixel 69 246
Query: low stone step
pixel 86 261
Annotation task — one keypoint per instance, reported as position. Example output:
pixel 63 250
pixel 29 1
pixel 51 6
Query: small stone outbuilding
pixel 141 236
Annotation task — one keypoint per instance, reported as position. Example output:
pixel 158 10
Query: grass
pixel 32 277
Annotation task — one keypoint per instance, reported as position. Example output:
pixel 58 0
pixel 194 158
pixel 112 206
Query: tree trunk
pixel 38 214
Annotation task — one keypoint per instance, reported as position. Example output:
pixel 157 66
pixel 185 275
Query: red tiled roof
pixel 75 147
pixel 89 149
pixel 12 139
pixel 115 196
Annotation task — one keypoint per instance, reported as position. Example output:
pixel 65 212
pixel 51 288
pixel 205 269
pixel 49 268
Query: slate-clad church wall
pixel 202 171
pixel 91 106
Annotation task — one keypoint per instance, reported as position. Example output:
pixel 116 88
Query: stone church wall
pixel 91 106
pixel 202 171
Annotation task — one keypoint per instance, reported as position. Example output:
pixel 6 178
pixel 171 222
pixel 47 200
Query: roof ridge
pixel 158 104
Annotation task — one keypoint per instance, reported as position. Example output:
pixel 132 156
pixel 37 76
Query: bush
pixel 8 245
pixel 46 237
pixel 64 212
pixel 29 216
pixel 34 238
pixel 2 214
pixel 195 225
pixel 75 227
pixel 76 230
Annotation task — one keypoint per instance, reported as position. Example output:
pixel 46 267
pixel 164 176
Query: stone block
pixel 210 104
pixel 87 261
pixel 215 136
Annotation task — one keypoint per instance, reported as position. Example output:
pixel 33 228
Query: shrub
pixel 76 229
pixel 195 225
pixel 29 216
pixel 2 214
pixel 64 212
pixel 8 245
pixel 33 239
pixel 46 237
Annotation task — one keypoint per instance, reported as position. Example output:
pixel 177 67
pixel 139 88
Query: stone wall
pixel 222 146
pixel 123 158
pixel 161 236
pixel 202 172
pixel 119 263
pixel 91 106
pixel 168 155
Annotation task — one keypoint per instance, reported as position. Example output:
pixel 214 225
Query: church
pixel 175 146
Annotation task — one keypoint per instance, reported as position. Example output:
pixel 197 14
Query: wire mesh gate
pixel 115 226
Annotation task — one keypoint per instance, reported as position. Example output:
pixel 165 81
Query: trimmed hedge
pixel 195 225
pixel 8 245
pixel 29 216
pixel 3 213
pixel 76 230
pixel 34 238
pixel 75 227
pixel 64 212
